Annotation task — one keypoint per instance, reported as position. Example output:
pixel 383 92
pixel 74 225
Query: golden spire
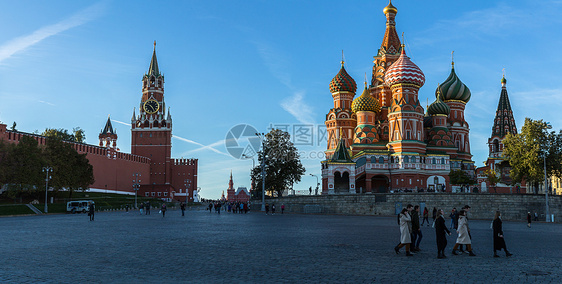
pixel 154 44
pixel 341 133
pixel 342 60
pixel 453 58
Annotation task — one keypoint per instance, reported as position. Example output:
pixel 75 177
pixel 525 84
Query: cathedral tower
pixel 152 128
pixel 108 137
pixel 340 120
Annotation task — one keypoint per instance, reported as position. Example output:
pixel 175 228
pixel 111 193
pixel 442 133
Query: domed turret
pixel 403 70
pixel 342 82
pixel 365 102
pixel 390 8
pixel 438 107
pixel 454 89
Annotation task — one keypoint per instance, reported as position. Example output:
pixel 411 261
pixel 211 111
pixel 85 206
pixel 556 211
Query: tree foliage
pixel 527 151
pixel 461 177
pixel 492 177
pixel 77 135
pixel 282 163
pixel 21 167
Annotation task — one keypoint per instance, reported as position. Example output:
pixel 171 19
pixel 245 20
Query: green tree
pixel 527 151
pixel 282 163
pixel 61 134
pixel 21 168
pixel 492 177
pixel 79 135
pixel 71 170
pixel 461 177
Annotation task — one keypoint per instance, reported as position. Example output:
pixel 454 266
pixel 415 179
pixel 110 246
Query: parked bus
pixel 81 206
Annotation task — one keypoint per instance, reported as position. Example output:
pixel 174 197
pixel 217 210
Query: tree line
pixel 21 165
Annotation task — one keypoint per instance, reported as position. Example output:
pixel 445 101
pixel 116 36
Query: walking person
pixel 163 210
pixel 453 217
pixel 416 230
pixel 147 208
pixel 529 219
pixel 272 208
pixel 91 211
pixel 405 238
pixel 434 214
pixel 210 207
pixel 266 209
pixel 425 216
pixel 463 237
pixel 141 208
pixel 440 234
pixel 499 241
pixel 282 208
pixel 182 207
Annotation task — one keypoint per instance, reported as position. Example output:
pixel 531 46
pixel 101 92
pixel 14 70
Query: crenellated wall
pixel 514 207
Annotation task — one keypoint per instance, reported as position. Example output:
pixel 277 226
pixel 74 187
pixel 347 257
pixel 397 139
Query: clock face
pixel 151 106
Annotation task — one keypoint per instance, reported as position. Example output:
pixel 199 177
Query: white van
pixel 81 206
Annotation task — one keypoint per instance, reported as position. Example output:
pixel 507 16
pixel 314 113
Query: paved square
pixel 205 247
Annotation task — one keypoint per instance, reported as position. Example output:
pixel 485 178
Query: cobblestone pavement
pixel 205 247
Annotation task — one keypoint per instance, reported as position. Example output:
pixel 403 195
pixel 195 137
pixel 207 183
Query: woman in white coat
pixel 405 228
pixel 463 238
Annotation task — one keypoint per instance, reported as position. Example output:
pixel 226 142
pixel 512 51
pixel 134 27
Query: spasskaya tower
pixel 151 132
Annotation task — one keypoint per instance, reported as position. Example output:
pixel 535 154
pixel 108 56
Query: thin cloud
pixel 47 103
pixel 121 122
pixel 296 106
pixel 207 147
pixel 21 43
pixel 199 144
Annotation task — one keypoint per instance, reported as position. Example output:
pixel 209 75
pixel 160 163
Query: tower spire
pixel 153 69
pixel 453 58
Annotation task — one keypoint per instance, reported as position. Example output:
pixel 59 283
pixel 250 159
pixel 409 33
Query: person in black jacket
pixel 440 231
pixel 499 242
pixel 529 219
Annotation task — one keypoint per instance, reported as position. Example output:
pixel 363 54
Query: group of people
pixel 234 207
pixel 411 234
pixel 267 207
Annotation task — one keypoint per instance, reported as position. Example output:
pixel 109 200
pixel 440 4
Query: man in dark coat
pixel 440 231
pixel 499 242
pixel 416 230
pixel 529 219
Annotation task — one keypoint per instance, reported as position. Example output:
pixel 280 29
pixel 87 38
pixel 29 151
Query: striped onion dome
pixel 343 82
pixel 454 89
pixel 365 102
pixel 438 107
pixel 403 70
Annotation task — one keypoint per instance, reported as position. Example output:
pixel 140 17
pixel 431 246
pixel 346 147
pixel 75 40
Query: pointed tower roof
pixel 108 129
pixel 504 122
pixel 231 183
pixel 391 41
pixel 153 69
pixel 341 154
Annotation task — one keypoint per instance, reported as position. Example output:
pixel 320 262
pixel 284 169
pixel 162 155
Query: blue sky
pixel 65 64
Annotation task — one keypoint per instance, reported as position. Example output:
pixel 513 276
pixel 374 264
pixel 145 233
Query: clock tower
pixel 151 129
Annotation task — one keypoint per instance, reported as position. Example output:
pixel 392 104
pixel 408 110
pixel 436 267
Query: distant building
pixel 160 175
pixel 241 194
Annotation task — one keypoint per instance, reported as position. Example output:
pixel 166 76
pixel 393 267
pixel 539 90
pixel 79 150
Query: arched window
pixel 434 162
pixel 381 160
pixel 406 160
pixel 443 161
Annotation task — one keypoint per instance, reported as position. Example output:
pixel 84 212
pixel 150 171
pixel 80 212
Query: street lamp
pixel 136 185
pixel 547 211
pixel 47 170
pixel 261 136
pixel 253 166
pixel 317 184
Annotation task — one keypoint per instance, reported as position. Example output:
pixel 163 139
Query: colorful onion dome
pixel 403 70
pixel 390 8
pixel 454 89
pixel 343 82
pixel 438 106
pixel 504 81
pixel 365 102
pixel 427 121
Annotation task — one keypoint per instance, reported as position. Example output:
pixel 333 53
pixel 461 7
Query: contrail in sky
pixel 23 42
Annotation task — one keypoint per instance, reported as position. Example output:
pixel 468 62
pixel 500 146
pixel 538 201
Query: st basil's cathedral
pixel 382 140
